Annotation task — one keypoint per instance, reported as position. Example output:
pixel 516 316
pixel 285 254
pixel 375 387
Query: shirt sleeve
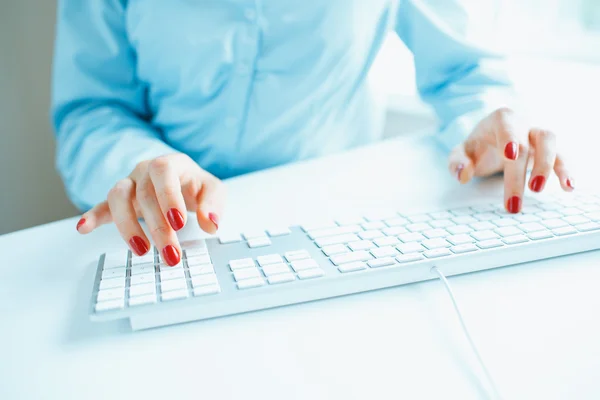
pixel 459 71
pixel 99 108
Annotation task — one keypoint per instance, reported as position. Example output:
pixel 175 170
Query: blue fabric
pixel 243 85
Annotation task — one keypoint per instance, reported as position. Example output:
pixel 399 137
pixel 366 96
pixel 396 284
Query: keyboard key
pixel 418 218
pixel 523 218
pixel 259 242
pixel 508 231
pixel 274 232
pixel 246 273
pixel 281 278
pixel 269 259
pixel 458 229
pixel 412 247
pixel 139 301
pixel 353 266
pixel 111 294
pixel 530 209
pixel 275 269
pixel 460 239
pixel 165 267
pixel 254 234
pixel 116 259
pixel 305 264
pixel 441 223
pixel 550 206
pixel 386 241
pixel 576 219
pixel 570 211
pixel 387 251
pixel 405 258
pixel 147 258
pixel 114 273
pixel 435 233
pixel 296 255
pixel 350 257
pixel 531 227
pixel 394 231
pixel 435 243
pixel 311 273
pixel 590 207
pixel 175 274
pixel 442 215
pixel 318 225
pixel 482 226
pixel 198 259
pixel 382 262
pixel 549 215
pixel 488 216
pixel 335 249
pixel 545 234
pixel 196 246
pixel 501 222
pixel 590 226
pixel 554 223
pixel 112 283
pixel 208 280
pixel 373 225
pixel 484 235
pixel 142 269
pixel 233 238
pixel 418 227
pixel 202 270
pixel 464 220
pixel 241 263
pixel 465 211
pixel 250 283
pixel 372 234
pixel 411 237
pixel 142 290
pixel 338 230
pixel 435 253
pixel 488 244
pixel 514 239
pixel 398 221
pixel 361 245
pixel 326 241
pixel 174 295
pixel 117 304
pixel 142 278
pixel 484 208
pixel 175 284
pixel 566 230
pixel 350 221
pixel 196 252
pixel 206 290
pixel 464 248
pixel 594 216
pixel 380 215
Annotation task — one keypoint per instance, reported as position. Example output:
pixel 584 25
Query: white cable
pixel 494 392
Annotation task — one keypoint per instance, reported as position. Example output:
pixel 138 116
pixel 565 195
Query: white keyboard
pixel 257 270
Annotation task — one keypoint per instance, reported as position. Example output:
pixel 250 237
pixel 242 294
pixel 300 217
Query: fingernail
pixel 537 183
pixel 175 219
pixel 459 170
pixel 511 151
pixel 82 221
pixel 571 183
pixel 138 245
pixel 214 218
pixel 171 255
pixel 513 205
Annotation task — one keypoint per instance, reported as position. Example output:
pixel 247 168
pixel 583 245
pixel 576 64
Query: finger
pixel 120 202
pixel 460 165
pixel 514 180
pixel 163 235
pixel 544 148
pixel 210 203
pixel 168 191
pixel 564 177
pixel 90 220
pixel 507 129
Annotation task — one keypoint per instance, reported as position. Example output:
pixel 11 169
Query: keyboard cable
pixel 494 391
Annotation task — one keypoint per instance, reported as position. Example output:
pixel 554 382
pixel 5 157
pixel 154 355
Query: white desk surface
pixel 536 324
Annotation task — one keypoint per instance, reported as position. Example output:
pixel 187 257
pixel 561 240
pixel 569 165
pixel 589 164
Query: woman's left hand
pixel 504 142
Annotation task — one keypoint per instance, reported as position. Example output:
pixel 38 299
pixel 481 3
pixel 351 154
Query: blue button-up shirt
pixel 241 85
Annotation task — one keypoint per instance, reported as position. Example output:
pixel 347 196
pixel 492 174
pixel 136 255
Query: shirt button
pixel 231 121
pixel 250 14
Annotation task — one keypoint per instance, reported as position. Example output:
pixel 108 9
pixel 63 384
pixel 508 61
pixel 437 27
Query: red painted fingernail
pixel 171 255
pixel 513 205
pixel 214 218
pixel 459 170
pixel 511 151
pixel 138 245
pixel 175 219
pixel 537 183
pixel 571 183
pixel 82 221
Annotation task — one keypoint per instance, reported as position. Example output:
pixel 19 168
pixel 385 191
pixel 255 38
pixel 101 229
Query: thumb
pixel 209 204
pixel 460 164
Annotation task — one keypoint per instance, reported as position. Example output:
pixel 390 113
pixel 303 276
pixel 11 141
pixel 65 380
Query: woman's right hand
pixel 159 191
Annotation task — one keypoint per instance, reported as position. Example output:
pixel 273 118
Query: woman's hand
pixel 504 142
pixel 160 191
